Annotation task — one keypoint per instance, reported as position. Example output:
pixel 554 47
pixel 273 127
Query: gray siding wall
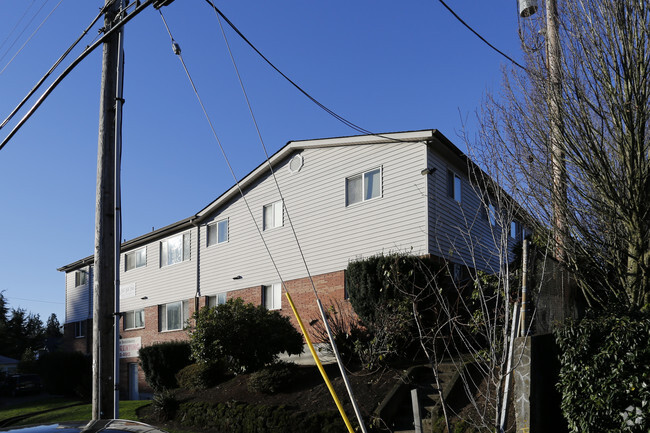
pixel 78 299
pixel 330 233
pixel 459 232
pixel 160 284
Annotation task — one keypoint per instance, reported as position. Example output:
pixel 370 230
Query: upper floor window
pixel 515 230
pixel 273 214
pixel 172 316
pixel 175 249
pixel 492 215
pixel 272 296
pixel 218 299
pixel 218 232
pixel 135 259
pixel 80 329
pixel 80 278
pixel 134 319
pixel 362 187
pixel 454 186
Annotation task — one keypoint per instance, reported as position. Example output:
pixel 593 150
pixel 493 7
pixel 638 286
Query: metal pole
pixel 104 287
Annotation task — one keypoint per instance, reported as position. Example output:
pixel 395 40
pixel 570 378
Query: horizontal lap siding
pixel 160 284
pixel 330 233
pixel 458 231
pixel 78 304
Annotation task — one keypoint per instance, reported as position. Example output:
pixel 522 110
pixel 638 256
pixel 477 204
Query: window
pixel 273 214
pixel 218 232
pixel 272 296
pixel 134 319
pixel 80 278
pixel 218 299
pixel 453 186
pixel 80 329
pixel 363 187
pixel 172 316
pixel 175 250
pixel 135 259
pixel 515 230
pixel 492 215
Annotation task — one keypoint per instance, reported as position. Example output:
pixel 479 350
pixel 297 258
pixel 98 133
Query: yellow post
pixel 320 366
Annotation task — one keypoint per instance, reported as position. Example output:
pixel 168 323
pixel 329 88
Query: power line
pixel 23 31
pixel 31 36
pixel 89 49
pixel 479 36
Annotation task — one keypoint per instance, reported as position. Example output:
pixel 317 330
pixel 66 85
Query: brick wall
pixel 330 288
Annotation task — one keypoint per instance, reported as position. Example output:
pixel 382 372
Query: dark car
pixel 104 425
pixel 22 384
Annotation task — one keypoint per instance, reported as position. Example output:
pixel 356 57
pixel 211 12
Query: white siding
pixel 330 233
pixel 458 231
pixel 160 284
pixel 78 299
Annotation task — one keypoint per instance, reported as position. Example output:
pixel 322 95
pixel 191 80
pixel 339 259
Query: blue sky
pixel 384 65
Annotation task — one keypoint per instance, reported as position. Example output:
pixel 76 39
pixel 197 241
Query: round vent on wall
pixel 296 163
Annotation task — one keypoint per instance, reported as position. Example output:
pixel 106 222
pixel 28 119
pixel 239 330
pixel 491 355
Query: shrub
pixel 273 378
pixel 605 373
pixel 374 281
pixel 248 337
pixel 202 375
pixel 160 363
pixel 238 417
pixel 66 373
pixel 164 404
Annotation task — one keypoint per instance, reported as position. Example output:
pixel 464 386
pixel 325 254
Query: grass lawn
pixel 76 413
pixel 36 406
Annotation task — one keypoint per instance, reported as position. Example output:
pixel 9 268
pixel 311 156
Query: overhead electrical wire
pixel 31 36
pixel 23 30
pixel 293 230
pixel 89 49
pixel 293 83
pixel 17 24
pixel 177 50
pixel 54 66
pixel 479 36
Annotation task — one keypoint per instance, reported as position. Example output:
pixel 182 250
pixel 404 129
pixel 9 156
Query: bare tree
pixel 603 109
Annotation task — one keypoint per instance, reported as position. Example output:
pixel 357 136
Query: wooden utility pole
pixel 558 165
pixel 103 370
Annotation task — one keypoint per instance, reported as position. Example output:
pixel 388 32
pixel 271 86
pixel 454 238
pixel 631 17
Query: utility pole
pixel 104 292
pixel 558 165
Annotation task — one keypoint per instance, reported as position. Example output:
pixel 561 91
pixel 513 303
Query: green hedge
pixel 160 363
pixel 238 417
pixel 201 375
pixel 605 373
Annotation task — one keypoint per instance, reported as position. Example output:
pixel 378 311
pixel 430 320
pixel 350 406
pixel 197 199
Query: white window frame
pixel 80 329
pixel 185 249
pixel 80 278
pixel 140 259
pixel 218 299
pixel 163 315
pixel 216 226
pixel 272 296
pixel 454 186
pixel 363 194
pixel 134 314
pixel 274 217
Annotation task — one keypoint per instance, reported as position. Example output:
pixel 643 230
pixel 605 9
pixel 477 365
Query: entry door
pixel 133 381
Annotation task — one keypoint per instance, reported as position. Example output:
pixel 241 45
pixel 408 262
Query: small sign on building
pixel 127 291
pixel 130 347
